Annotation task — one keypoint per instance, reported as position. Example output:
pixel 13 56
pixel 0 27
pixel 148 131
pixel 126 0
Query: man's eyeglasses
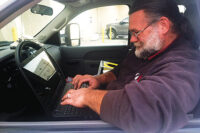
pixel 136 34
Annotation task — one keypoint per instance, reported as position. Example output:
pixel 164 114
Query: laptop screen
pixel 41 65
pixel 45 77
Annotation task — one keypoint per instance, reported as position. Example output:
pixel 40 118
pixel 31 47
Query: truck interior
pixel 27 100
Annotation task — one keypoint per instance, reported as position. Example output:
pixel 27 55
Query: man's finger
pixel 76 83
pixel 75 79
pixel 67 94
pixel 67 102
pixel 81 82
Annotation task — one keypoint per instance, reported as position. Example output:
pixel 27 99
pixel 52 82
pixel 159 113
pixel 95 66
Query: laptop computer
pixel 48 85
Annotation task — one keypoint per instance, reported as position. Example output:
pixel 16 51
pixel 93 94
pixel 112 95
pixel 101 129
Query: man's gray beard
pixel 153 44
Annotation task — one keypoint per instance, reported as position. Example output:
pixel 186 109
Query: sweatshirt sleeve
pixel 158 103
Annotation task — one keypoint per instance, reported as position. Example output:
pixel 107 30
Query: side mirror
pixel 42 10
pixel 72 32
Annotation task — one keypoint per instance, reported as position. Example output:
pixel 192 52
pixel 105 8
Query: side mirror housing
pixel 72 32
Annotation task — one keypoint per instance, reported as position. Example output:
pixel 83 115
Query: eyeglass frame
pixel 136 34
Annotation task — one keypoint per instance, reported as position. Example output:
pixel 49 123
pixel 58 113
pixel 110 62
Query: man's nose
pixel 133 39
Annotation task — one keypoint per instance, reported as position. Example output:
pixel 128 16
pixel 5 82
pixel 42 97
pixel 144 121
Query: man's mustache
pixel 138 44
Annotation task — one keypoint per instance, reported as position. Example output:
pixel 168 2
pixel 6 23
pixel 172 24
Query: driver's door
pixel 95 46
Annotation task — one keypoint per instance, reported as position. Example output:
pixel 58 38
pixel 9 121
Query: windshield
pixel 31 22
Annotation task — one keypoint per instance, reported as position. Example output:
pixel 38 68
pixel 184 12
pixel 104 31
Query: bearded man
pixel 157 84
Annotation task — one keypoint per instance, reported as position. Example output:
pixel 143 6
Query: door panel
pixel 85 60
pixel 59 127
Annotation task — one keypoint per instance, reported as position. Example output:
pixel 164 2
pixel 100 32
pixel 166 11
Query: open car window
pixel 100 26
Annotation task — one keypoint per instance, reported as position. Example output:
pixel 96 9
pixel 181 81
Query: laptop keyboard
pixel 73 112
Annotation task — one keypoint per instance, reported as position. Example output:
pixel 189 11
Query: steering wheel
pixel 24 50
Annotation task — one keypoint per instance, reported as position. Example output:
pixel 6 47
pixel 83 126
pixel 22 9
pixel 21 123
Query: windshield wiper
pixel 5 43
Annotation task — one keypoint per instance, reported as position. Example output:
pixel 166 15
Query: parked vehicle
pixel 29 28
pixel 114 30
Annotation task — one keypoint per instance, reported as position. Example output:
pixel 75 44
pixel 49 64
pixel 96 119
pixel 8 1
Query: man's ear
pixel 164 25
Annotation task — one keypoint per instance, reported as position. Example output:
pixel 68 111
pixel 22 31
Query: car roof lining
pixel 81 3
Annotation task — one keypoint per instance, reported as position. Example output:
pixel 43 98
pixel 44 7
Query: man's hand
pixel 75 98
pixel 84 97
pixel 79 79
